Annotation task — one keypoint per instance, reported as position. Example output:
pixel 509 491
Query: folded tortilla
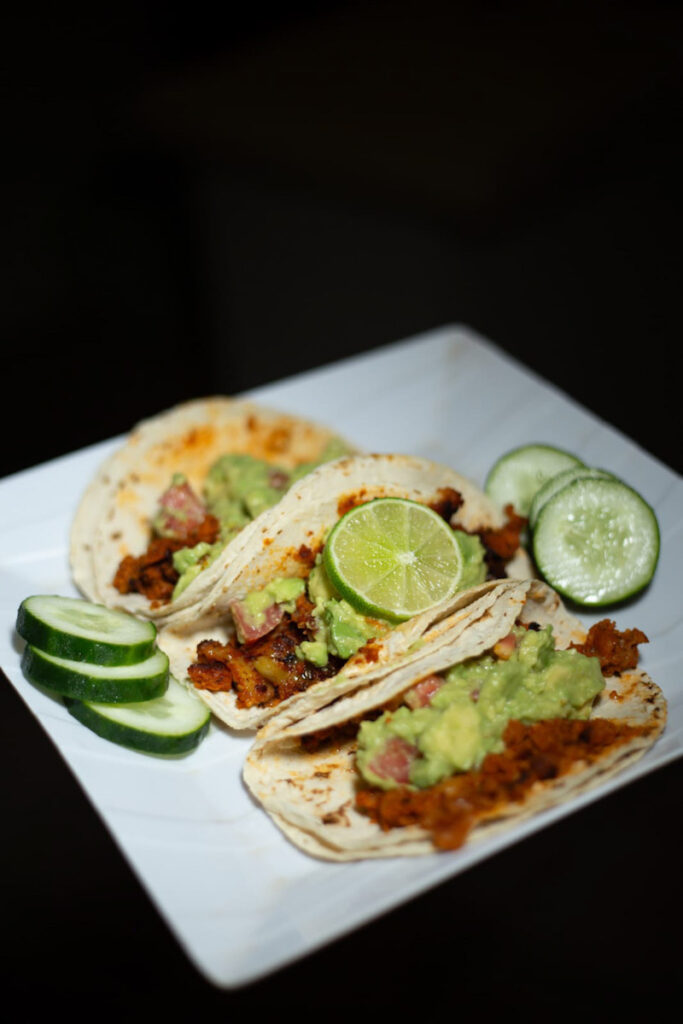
pixel 301 521
pixel 114 517
pixel 311 796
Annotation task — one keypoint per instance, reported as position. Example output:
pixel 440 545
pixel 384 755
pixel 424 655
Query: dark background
pixel 198 202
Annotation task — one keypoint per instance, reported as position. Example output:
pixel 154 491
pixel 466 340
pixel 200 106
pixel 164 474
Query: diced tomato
pixel 505 647
pixel 247 629
pixel 420 695
pixel 278 479
pixel 394 760
pixel 180 511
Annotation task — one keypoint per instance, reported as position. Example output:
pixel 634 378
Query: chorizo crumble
pixel 152 573
pixel 267 671
pixel 533 753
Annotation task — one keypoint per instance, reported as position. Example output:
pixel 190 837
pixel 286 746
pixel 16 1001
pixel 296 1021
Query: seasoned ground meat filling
pixel 500 544
pixel 533 753
pixel 264 672
pixel 503 543
pixel 152 573
pixel 448 503
pixel 617 651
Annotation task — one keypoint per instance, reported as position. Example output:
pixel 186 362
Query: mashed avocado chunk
pixel 239 487
pixel 341 631
pixel 283 591
pixel 313 651
pixel 473 564
pixel 189 562
pixel 347 630
pixel 467 714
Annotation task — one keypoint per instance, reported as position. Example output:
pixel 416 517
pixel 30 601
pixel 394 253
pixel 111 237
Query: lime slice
pixel 393 558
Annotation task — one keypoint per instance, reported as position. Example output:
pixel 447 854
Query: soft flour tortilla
pixel 311 796
pixel 302 518
pixel 114 515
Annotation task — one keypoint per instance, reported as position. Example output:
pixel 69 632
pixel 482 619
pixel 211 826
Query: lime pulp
pixel 393 558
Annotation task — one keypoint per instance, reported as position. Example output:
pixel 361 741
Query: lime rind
pixel 393 558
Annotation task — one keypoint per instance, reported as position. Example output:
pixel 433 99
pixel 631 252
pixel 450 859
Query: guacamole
pixel 471 704
pixel 473 564
pixel 238 487
pixel 340 630
pixel 189 562
pixel 278 591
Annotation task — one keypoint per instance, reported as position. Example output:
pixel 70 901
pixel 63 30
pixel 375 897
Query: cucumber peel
pixel 516 476
pixel 174 723
pixel 79 630
pixel 555 483
pixel 109 684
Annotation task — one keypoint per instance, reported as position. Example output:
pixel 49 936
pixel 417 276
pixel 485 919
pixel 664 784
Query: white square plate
pixel 240 899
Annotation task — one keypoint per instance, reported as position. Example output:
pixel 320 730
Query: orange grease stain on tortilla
pixel 126 497
pixel 306 555
pixel 349 501
pixel 276 440
pixel 369 652
pixel 293 561
pixel 195 450
pixel 191 445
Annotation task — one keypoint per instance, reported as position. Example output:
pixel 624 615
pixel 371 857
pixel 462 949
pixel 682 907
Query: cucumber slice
pixel 560 480
pixel 111 684
pixel 516 477
pixel 596 542
pixel 171 724
pixel 69 627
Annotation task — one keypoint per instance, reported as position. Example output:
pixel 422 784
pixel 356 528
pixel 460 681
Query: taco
pixel 159 522
pixel 274 632
pixel 520 710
